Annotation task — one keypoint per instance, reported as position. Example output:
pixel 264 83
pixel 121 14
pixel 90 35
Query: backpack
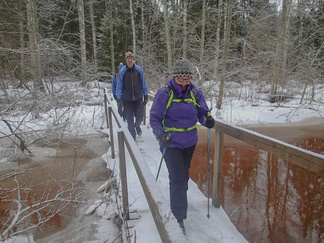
pixel 170 101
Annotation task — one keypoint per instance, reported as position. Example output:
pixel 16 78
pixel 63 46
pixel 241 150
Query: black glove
pixel 120 102
pixel 164 139
pixel 209 121
pixel 145 99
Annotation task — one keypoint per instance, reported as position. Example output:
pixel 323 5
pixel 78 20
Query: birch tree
pixel 185 30
pixel 94 36
pixel 111 34
pixel 133 26
pixel 82 41
pixel 143 32
pixel 33 45
pixel 228 21
pixel 202 35
pixel 279 66
pixel 167 35
pixel 22 43
pixel 217 38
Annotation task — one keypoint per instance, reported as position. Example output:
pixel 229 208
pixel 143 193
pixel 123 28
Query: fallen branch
pixel 22 145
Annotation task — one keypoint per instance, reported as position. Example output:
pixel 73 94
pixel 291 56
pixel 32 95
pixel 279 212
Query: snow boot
pixel 139 131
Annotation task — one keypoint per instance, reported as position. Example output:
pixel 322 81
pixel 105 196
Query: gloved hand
pixel 120 103
pixel 209 121
pixel 164 139
pixel 115 97
pixel 145 99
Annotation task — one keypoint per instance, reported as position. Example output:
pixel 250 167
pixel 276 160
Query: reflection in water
pixel 268 199
pixel 40 196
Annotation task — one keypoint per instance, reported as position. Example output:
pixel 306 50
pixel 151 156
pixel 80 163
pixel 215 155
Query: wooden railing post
pixel 111 132
pixel 106 109
pixel 123 174
pixel 218 165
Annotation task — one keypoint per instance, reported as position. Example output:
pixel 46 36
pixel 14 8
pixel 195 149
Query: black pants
pixel 131 109
pixel 178 164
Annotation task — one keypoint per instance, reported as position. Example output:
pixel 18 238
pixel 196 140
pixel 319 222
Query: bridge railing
pixel 301 157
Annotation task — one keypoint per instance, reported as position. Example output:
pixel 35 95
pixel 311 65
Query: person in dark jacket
pixel 132 94
pixel 178 119
pixel 114 86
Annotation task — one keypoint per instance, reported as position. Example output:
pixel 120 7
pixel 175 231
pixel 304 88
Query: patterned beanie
pixel 129 54
pixel 183 67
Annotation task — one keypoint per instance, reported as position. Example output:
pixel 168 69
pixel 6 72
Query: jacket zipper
pixel 133 88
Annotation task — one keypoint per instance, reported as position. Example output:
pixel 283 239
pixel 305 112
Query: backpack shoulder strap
pixel 171 95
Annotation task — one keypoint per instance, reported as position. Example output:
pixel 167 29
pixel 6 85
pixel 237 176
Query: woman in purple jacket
pixel 175 111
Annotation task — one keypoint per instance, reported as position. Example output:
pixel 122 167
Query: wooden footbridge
pixel 301 157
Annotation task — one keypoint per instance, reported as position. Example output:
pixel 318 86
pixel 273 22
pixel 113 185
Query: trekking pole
pixel 157 176
pixel 163 152
pixel 208 169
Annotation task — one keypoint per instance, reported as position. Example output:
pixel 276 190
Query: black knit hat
pixel 183 67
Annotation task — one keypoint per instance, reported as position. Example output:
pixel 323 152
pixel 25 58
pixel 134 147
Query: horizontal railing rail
pixel 299 156
pixel 296 155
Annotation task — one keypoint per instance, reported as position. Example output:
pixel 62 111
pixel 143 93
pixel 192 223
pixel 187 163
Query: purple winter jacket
pixel 179 115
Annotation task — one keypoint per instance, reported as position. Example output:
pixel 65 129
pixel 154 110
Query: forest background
pixel 273 44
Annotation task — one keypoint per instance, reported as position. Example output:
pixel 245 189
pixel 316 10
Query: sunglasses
pixel 184 80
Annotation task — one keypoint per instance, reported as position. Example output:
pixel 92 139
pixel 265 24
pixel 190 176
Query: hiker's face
pixel 129 62
pixel 183 80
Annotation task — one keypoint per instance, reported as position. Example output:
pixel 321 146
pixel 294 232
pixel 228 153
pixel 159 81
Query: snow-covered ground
pixel 216 228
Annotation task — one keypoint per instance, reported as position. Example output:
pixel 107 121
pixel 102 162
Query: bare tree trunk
pixel 202 41
pixel 309 72
pixel 82 41
pixel 279 66
pixel 33 45
pixel 143 30
pixel 133 26
pixel 301 15
pixel 167 36
pixel 22 45
pixel 94 39
pixel 224 61
pixel 219 22
pixel 111 27
pixel 185 30
pixel 285 42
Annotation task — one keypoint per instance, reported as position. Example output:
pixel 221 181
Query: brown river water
pixel 47 191
pixel 267 198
